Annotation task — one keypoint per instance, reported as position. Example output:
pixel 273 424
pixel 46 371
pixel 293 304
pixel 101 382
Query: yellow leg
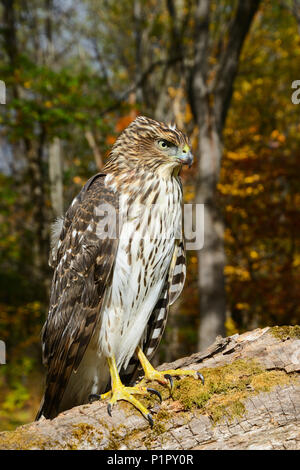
pixel 120 392
pixel 165 375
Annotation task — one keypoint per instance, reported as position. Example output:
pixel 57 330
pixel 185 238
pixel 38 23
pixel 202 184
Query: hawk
pixel 111 292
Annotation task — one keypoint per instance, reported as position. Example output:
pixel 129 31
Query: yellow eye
pixel 164 144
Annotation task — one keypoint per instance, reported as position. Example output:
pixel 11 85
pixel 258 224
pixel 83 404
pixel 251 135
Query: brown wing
pixel 83 263
pixel 157 322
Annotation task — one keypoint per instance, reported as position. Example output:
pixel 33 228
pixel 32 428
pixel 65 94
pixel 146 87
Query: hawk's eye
pixel 164 144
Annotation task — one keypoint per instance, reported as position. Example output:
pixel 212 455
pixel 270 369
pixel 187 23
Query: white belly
pixel 139 276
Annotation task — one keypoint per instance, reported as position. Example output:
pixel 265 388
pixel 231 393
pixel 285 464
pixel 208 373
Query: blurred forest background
pixel 76 74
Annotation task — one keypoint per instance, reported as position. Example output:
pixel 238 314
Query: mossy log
pixel 250 400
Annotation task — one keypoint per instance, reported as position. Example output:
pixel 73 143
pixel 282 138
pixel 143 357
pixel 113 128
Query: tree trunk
pixel 56 177
pixel 250 400
pixel 211 258
pixel 209 99
pixel 37 182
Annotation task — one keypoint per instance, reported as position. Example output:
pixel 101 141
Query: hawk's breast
pixel 151 222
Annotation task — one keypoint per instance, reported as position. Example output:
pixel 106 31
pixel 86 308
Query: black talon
pixel 156 392
pixel 150 419
pixel 109 407
pixel 94 397
pixel 200 376
pixel 170 378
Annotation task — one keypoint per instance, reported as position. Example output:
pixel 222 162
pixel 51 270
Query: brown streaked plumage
pixel 111 295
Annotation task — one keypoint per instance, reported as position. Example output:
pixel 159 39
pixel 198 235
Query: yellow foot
pixel 166 376
pixel 120 392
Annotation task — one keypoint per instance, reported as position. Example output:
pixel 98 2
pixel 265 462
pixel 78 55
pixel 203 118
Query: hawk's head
pixel 154 145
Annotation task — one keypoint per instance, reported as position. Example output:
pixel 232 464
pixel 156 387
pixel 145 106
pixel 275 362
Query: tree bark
pixel 267 363
pixel 56 177
pixel 93 145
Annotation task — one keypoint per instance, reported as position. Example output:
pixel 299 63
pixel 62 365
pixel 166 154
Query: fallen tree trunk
pixel 250 400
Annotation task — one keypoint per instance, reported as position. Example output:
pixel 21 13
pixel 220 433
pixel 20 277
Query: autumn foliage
pixel 79 87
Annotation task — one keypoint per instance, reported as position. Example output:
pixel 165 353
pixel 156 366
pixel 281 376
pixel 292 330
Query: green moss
pixel 160 420
pixel 115 436
pixel 21 439
pixel 285 332
pixel 84 432
pixel 226 388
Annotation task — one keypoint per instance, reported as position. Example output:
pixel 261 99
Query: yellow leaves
pixel 254 254
pixel 172 92
pixel 48 104
pixel 250 191
pixel 230 327
pixel 228 237
pixel 296 261
pixel 27 84
pixel 236 210
pixel 251 179
pixel 237 95
pixel 241 185
pixel 237 272
pixel 189 197
pixel 242 306
pixel 246 86
pixel 233 190
pixel 189 193
pixel 241 155
pixel 188 113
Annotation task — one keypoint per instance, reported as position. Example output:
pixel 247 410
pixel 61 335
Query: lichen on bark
pixel 250 400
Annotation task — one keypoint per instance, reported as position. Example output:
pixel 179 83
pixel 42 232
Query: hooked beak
pixel 186 157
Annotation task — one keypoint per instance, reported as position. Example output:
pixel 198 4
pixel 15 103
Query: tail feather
pixel 41 410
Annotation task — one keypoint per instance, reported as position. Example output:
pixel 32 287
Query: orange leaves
pixel 110 139
pixel 277 138
pixel 124 121
pixel 78 180
pixel 121 124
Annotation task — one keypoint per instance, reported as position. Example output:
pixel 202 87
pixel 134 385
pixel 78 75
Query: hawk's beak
pixel 186 157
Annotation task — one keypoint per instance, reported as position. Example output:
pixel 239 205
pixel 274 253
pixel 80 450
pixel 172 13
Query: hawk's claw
pixel 109 408
pixel 150 419
pixel 200 376
pixel 170 378
pixel 155 392
pixel 94 397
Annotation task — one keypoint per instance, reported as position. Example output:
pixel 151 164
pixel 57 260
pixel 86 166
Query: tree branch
pixel 140 82
pixel 229 60
pixel 251 400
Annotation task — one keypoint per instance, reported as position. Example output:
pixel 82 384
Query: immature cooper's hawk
pixel 111 292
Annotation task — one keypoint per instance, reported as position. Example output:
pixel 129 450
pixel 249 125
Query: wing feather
pixel 83 262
